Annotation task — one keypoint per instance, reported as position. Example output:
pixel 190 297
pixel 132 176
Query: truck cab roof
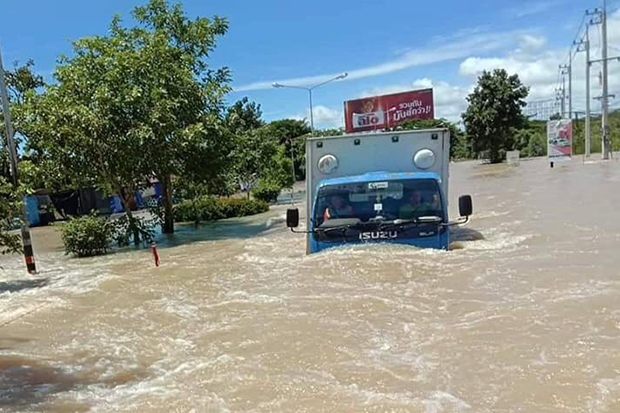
pixel 379 176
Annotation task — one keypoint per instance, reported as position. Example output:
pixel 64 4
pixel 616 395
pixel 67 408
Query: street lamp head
pixel 276 84
pixel 342 76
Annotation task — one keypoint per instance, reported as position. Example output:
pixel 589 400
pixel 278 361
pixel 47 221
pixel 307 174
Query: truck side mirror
pixel 292 218
pixel 466 207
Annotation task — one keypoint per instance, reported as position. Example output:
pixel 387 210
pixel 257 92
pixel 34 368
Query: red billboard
pixel 560 139
pixel 378 112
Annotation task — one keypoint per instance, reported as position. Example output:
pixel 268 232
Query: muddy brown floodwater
pixel 523 315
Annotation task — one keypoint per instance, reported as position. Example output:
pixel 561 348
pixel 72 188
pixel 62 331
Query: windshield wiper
pixel 400 223
pixel 340 227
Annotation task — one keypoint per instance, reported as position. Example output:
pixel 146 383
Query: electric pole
pixel 567 70
pixel 601 18
pixel 8 127
pixel 605 117
pixel 584 46
pixel 562 95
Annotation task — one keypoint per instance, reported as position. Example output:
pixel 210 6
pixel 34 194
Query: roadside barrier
pixel 28 251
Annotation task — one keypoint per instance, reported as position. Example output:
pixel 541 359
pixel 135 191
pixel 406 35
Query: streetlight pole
pixel 311 114
pixel 310 89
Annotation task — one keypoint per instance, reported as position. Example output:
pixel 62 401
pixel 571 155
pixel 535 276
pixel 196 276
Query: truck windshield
pixel 362 202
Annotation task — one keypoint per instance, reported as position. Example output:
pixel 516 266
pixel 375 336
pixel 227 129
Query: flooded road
pixel 523 315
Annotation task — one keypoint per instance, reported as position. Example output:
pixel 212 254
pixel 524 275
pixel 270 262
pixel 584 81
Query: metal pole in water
pixel 8 127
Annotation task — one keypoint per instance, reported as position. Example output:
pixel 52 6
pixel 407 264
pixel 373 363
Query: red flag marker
pixel 155 254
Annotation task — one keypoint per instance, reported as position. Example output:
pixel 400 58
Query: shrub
pixel 208 208
pixel 238 207
pixel 87 236
pixel 266 191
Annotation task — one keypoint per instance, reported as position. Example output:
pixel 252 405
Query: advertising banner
pixel 559 139
pixel 378 112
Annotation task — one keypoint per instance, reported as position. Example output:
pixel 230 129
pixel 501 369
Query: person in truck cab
pixel 417 206
pixel 337 208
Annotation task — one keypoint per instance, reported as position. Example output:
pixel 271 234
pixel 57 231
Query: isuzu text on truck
pixel 380 187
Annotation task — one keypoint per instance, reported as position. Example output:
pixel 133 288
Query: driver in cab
pixel 337 208
pixel 417 207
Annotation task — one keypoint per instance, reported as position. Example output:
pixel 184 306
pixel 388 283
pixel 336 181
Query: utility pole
pixel 562 95
pixel 588 128
pixel 584 46
pixel 605 117
pixel 567 70
pixel 8 127
pixel 570 88
pixel 601 18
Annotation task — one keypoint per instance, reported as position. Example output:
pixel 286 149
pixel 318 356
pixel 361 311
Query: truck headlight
pixel 327 164
pixel 424 159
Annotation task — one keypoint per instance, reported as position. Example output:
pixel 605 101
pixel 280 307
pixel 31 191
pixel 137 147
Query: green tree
pixel 292 134
pixel 9 210
pixel 254 156
pixel 243 116
pixel 494 112
pixel 531 139
pixel 139 102
pixel 459 148
pixel 329 132
pixel 21 81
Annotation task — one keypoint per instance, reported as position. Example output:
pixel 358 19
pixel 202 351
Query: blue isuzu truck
pixel 378 187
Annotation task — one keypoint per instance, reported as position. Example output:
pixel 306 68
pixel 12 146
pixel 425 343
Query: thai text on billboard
pixel 378 112
pixel 559 139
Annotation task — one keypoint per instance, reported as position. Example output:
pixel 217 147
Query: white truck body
pixel 391 152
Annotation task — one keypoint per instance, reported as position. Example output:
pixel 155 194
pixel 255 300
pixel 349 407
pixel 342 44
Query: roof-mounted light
pixel 424 159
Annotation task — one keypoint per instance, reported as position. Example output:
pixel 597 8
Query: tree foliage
pixel 259 157
pixel 459 148
pixel 243 116
pixel 531 139
pixel 21 82
pixel 329 132
pixel 292 134
pixel 139 102
pixel 10 206
pixel 494 112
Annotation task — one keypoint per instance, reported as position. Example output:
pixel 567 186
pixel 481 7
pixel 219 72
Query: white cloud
pixel 327 117
pixel 478 42
pixel 324 117
pixel 533 70
pixel 533 7
pixel 538 68
pixel 536 65
pixel 449 99
pixel 530 43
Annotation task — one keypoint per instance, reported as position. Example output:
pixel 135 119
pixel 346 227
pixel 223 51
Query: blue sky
pixel 385 46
